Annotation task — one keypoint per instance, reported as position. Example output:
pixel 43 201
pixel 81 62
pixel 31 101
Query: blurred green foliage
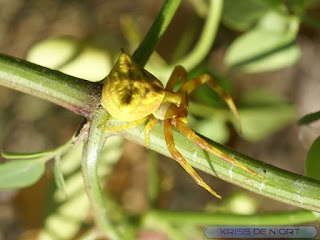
pixel 267 42
pixel 312 165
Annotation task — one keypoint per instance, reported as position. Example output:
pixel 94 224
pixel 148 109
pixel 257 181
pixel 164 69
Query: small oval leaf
pixel 269 46
pixel 271 51
pixel 20 173
pixel 312 165
pixel 263 113
pixel 15 155
pixel 233 12
pixel 214 129
pixel 72 57
pixel 309 118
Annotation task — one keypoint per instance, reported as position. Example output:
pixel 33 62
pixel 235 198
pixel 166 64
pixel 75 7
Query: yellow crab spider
pixel 133 95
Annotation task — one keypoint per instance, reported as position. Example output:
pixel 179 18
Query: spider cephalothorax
pixel 133 95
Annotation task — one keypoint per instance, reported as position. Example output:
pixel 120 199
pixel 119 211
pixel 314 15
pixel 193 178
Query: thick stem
pixel 82 97
pixel 278 184
pixel 77 95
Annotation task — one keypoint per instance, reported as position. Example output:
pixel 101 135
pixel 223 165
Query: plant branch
pixel 90 155
pixel 201 218
pixel 278 184
pixel 158 27
pixel 205 42
pixel 75 94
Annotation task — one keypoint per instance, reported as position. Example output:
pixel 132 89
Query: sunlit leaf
pixel 70 168
pixel 241 15
pixel 53 52
pixel 74 208
pixel 72 57
pixel 20 173
pixel 263 113
pixel 312 165
pixel 271 51
pixel 269 46
pixel 213 129
pixel 239 203
pixel 309 118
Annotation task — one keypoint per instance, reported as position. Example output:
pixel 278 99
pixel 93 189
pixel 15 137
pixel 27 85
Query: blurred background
pixel 30 124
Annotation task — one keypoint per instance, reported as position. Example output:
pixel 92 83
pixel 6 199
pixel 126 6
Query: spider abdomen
pixel 130 92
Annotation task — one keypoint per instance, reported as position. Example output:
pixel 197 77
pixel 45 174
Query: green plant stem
pixel 90 155
pixel 200 6
pixel 46 155
pixel 153 178
pixel 200 51
pixel 278 184
pixel 75 94
pixel 158 27
pixel 162 225
pixel 202 218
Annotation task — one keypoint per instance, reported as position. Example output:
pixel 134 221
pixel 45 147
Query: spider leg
pixel 188 133
pixel 179 158
pixel 127 125
pixel 205 78
pixel 147 130
pixel 178 71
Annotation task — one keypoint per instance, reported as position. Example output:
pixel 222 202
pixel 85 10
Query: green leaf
pixel 239 203
pixel 269 46
pixel 58 176
pixel 62 206
pixel 15 155
pixel 240 15
pixel 261 50
pixel 72 57
pixel 312 165
pixel 309 118
pixel 20 173
pixel 213 128
pixel 263 113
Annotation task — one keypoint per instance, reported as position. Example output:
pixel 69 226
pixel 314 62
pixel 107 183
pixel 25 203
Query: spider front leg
pixel 205 78
pixel 178 72
pixel 126 125
pixel 179 158
pixel 147 130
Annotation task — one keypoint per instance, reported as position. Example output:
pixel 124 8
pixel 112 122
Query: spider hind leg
pixel 188 133
pixel 179 158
